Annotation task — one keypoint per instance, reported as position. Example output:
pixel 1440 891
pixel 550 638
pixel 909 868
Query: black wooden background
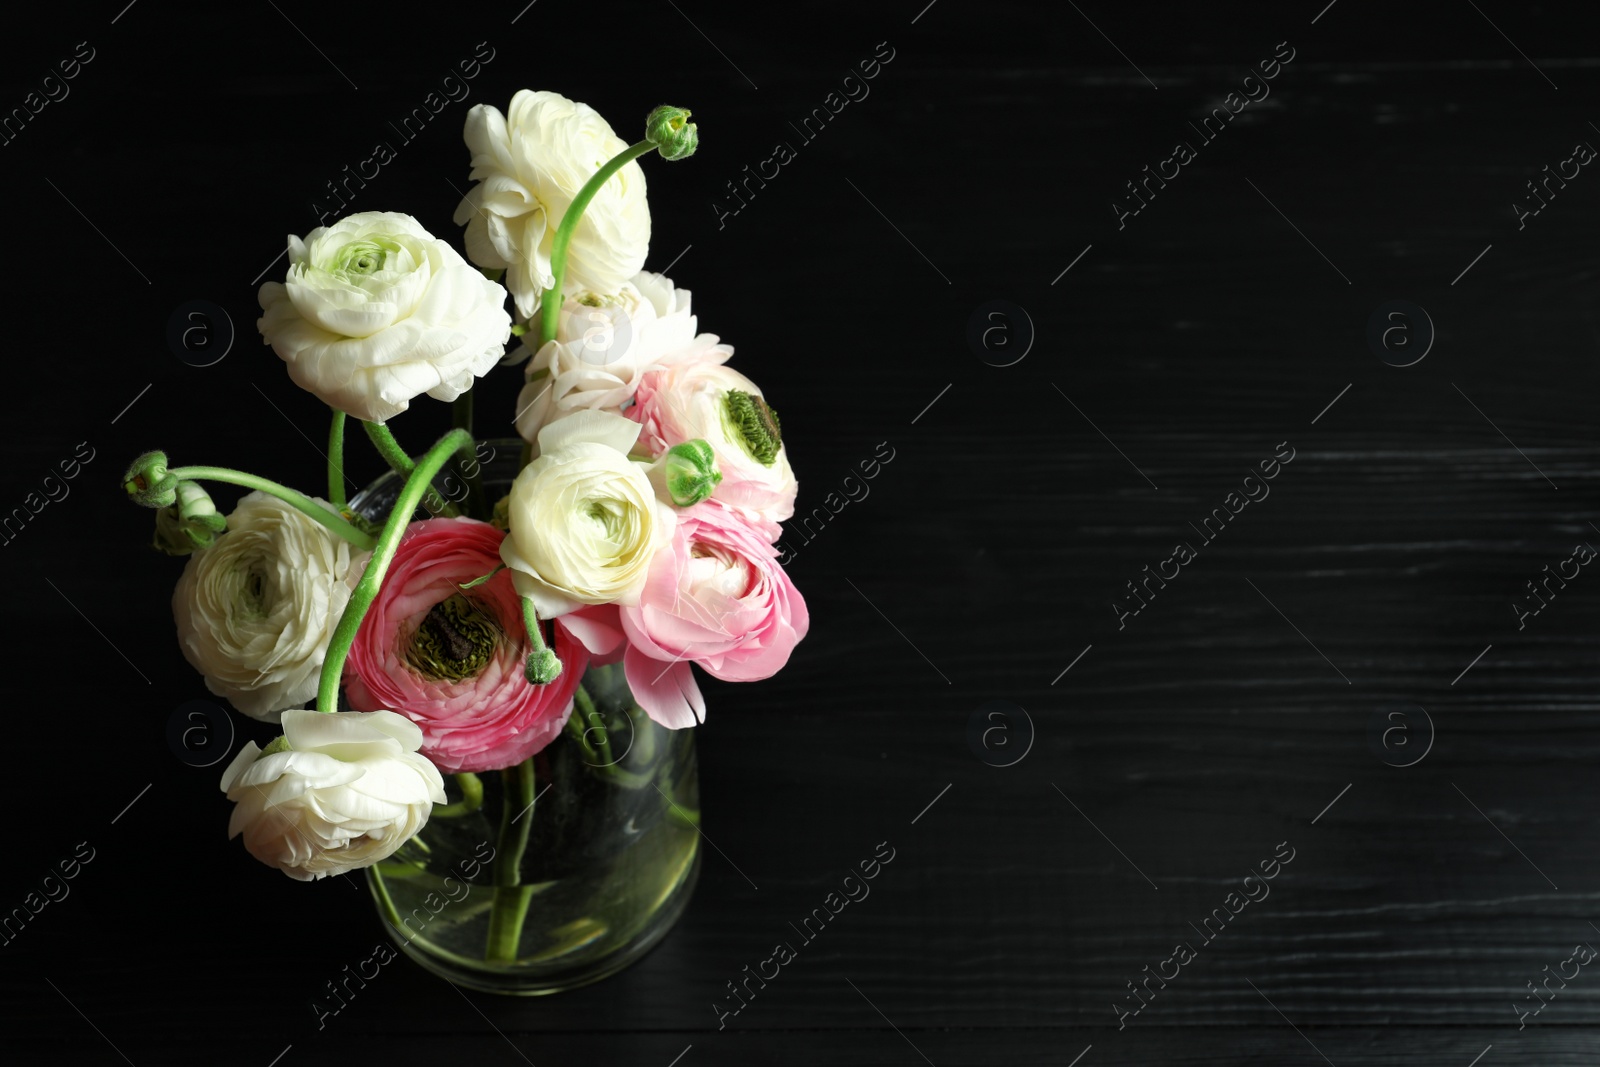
pixel 1361 616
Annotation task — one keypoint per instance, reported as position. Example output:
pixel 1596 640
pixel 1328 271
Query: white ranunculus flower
pixel 255 611
pixel 529 163
pixel 605 344
pixel 585 520
pixel 348 790
pixel 376 311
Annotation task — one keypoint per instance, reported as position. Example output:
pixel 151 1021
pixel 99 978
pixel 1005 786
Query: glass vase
pixel 564 869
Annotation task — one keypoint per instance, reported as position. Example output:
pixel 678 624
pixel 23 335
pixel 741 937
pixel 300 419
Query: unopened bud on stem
pixel 688 472
pixel 190 522
pixel 669 129
pixel 543 666
pixel 148 481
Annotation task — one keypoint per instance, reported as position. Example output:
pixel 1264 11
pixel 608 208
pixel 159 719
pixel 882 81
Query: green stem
pixel 530 623
pixel 336 460
pixel 592 717
pixel 386 902
pixel 366 591
pixel 400 462
pixel 518 782
pixel 550 308
pixel 471 798
pixel 295 499
pixel 599 760
pixel 511 897
pixel 579 733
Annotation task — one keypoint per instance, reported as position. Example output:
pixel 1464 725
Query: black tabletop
pixel 1212 645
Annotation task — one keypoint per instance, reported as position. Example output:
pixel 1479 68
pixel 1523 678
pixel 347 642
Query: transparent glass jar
pixel 560 871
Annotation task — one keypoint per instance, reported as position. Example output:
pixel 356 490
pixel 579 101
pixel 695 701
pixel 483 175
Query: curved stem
pixel 385 901
pixel 401 463
pixel 471 798
pixel 336 460
pixel 550 308
pixel 382 438
pixel 294 498
pixel 599 761
pixel 530 622
pixel 511 897
pixel 579 733
pixel 366 591
pixel 586 706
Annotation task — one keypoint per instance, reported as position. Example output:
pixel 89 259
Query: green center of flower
pixel 607 514
pixel 754 425
pixel 455 640
pixel 364 257
pixel 252 596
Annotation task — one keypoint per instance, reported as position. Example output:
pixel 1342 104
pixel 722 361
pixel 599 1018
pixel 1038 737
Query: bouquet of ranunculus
pixel 639 532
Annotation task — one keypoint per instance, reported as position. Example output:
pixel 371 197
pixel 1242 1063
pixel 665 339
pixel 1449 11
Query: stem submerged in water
pixel 471 798
pixel 597 755
pixel 511 897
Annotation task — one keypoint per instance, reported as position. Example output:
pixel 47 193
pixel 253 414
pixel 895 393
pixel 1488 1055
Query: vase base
pixel 519 980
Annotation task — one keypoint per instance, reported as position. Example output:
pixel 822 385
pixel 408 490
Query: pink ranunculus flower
pixel 715 596
pixel 700 398
pixel 451 660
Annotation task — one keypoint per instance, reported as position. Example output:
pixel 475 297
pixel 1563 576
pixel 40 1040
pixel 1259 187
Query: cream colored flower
pixel 585 520
pixel 376 311
pixel 529 163
pixel 255 611
pixel 346 790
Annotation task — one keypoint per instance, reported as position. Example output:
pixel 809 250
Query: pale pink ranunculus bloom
pixel 715 596
pixel 452 661
pixel 689 400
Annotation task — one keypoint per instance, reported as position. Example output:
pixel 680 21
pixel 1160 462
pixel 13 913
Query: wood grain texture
pixel 1184 744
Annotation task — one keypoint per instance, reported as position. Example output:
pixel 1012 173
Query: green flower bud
pixel 669 129
pixel 189 523
pixel 543 667
pixel 279 744
pixel 195 506
pixel 689 472
pixel 148 481
pixel 753 424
